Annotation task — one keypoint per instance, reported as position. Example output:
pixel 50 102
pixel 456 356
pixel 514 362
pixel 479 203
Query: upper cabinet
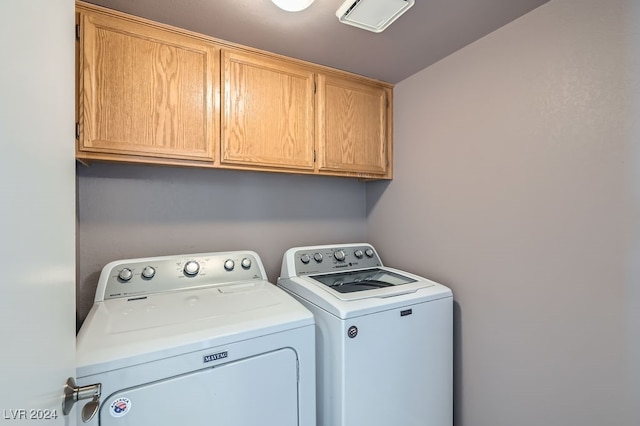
pixel 146 93
pixel 267 118
pixel 354 126
pixel 152 93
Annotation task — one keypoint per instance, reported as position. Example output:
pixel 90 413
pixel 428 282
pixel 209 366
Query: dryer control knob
pixel 125 274
pixel 339 255
pixel 229 265
pixel 191 268
pixel 317 257
pixel 305 258
pixel 148 272
pixel 368 252
pixel 358 253
pixel 246 263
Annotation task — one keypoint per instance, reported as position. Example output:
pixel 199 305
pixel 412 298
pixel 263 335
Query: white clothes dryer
pixel 195 340
pixel 384 337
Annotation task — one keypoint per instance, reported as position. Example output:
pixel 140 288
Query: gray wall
pixel 128 211
pixel 517 184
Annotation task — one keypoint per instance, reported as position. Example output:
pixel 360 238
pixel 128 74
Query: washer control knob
pixel 358 253
pixel 305 258
pixel 125 274
pixel 339 255
pixel 191 268
pixel 317 257
pixel 368 252
pixel 148 272
pixel 229 265
pixel 246 263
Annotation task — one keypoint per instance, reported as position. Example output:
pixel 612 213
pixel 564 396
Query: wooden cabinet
pixel 151 93
pixel 267 118
pixel 146 93
pixel 354 126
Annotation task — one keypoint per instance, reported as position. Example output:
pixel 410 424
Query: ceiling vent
pixel 372 15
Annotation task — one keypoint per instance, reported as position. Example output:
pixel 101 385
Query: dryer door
pixel 259 390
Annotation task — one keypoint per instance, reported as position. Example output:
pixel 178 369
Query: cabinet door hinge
pixel 77 31
pixel 77 130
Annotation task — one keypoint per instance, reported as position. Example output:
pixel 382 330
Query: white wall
pixel 37 210
pixel 128 211
pixel 517 184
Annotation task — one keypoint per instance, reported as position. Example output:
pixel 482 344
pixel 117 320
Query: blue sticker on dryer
pixel 120 407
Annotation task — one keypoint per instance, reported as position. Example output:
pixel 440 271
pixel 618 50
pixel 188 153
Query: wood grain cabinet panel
pixel 354 126
pixel 152 93
pixel 267 118
pixel 145 91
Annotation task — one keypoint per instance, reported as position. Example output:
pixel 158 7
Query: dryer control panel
pixel 141 277
pixel 326 259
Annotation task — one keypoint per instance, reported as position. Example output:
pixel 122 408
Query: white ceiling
pixel 429 31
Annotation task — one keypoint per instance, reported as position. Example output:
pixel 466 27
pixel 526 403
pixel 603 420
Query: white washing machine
pixel 194 340
pixel 384 337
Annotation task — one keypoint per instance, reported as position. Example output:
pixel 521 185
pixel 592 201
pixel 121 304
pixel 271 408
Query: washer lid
pixel 409 289
pixel 364 280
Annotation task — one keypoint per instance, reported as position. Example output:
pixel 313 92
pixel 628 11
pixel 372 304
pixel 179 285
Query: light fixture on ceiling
pixel 372 15
pixel 293 5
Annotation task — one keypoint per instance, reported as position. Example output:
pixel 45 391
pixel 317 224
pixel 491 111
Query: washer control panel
pixel 141 277
pixel 325 259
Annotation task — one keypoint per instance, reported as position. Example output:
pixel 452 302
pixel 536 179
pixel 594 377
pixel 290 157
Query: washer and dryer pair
pixel 205 339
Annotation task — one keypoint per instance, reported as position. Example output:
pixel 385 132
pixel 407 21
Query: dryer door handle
pixel 73 393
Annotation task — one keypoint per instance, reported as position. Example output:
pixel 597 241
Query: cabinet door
pixel 354 127
pixel 145 91
pixel 267 118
